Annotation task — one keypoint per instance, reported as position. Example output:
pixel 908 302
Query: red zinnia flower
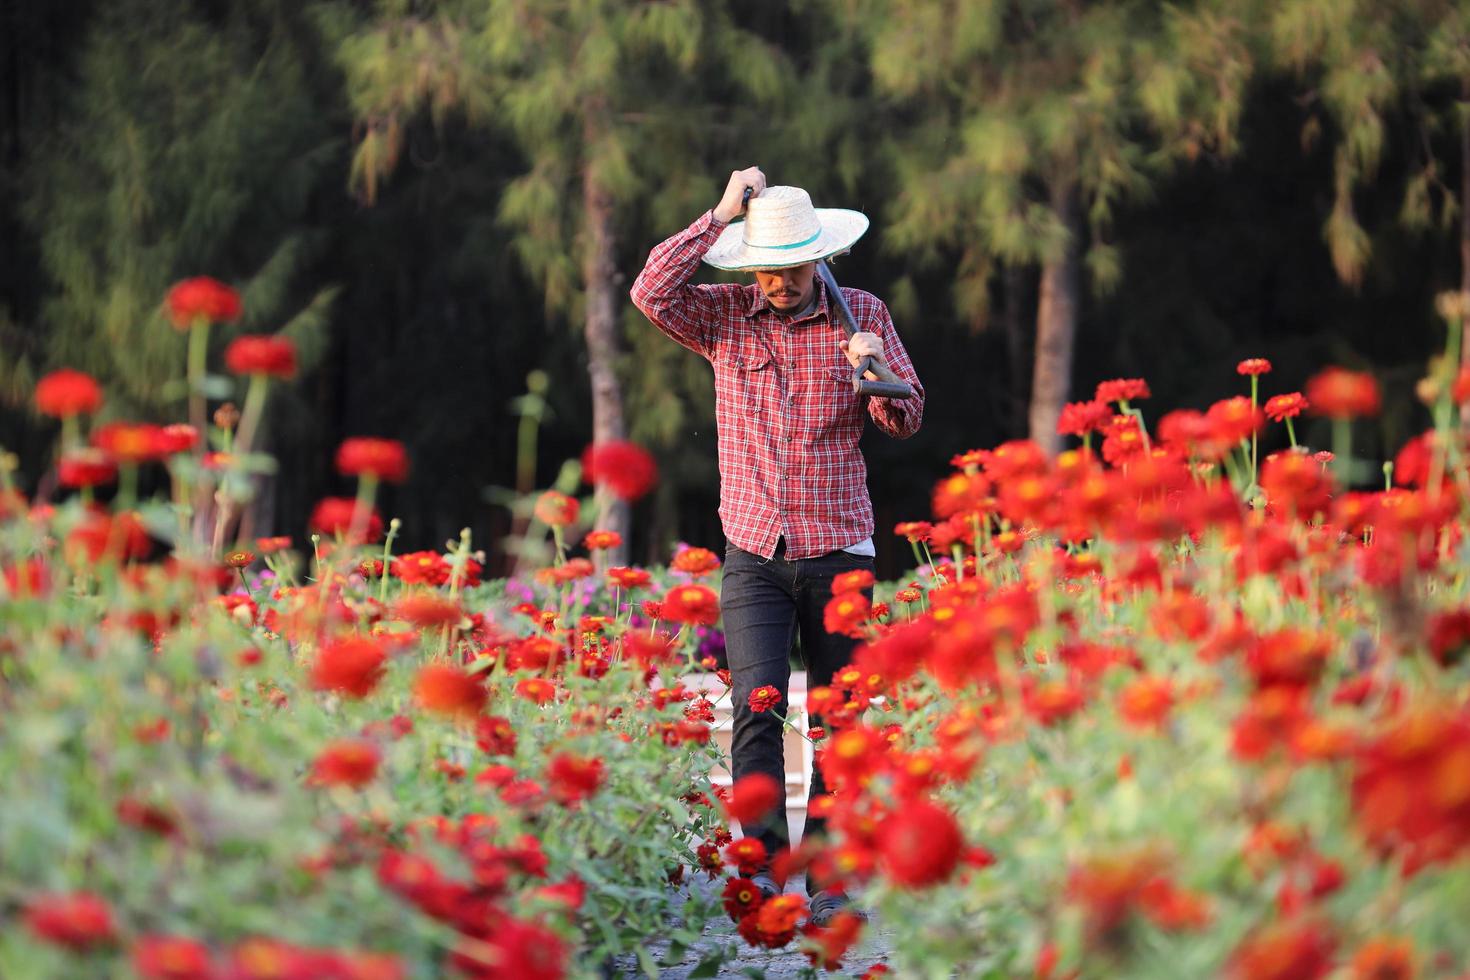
pixel 76 920
pixel 449 690
pixel 740 898
pixel 346 762
pixel 177 438
pixel 693 605
pixel 1080 418
pixel 333 516
pixel 1253 365
pixel 763 699
pixel 1121 390
pixel 748 854
pixel 352 667
pixel 66 392
pixel 1281 407
pixel 495 735
pixel 961 493
pixel 574 778
pixel 202 298
pixel 1342 394
pixel 172 958
pixel 624 468
pixel 384 459
pixel 537 689
pixel 752 796
pixel 273 356
pixel 85 467
pixel 919 844
pixel 1301 950
pixel 130 442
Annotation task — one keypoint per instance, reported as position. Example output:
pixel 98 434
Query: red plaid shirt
pixel 787 417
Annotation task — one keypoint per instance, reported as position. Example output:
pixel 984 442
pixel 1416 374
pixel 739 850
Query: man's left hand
pixel 861 345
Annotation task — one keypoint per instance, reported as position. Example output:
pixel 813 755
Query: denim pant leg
pixel 823 653
pixel 758 603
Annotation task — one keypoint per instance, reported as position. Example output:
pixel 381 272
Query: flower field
pixel 1164 706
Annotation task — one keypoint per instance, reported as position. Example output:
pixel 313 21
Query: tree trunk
pixel 1056 324
pixel 600 278
pixel 1013 297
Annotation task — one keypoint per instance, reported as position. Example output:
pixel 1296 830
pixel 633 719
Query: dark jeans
pixel 765 604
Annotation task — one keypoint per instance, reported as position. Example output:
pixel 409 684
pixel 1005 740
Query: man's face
pixel 790 289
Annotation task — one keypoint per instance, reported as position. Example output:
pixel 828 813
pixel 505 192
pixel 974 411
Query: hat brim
pixel 841 229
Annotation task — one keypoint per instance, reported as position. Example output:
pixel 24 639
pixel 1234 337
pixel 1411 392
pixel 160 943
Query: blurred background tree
pixel 427 194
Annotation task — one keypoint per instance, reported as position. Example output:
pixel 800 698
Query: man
pixel 793 492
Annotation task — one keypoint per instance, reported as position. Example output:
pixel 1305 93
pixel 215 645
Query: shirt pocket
pixel 750 379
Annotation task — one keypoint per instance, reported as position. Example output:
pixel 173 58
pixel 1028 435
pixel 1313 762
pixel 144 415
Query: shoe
pixel 766 884
pixel 825 906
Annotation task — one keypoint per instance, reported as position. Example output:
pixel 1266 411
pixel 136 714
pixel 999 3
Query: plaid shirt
pixel 787 417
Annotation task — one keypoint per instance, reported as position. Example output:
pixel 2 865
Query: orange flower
pixel 1342 394
pixel 961 493
pixel 384 459
pixel 1146 701
pixel 449 690
pixel 239 559
pixel 428 609
pixel 693 605
pixel 537 689
pixel 202 298
pixel 601 540
pixel 556 509
pixel 65 393
pixel 695 561
pixel 346 762
pixel 1385 958
pixel 628 578
pixel 781 913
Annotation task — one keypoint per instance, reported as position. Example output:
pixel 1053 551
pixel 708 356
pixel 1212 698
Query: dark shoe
pixel 767 885
pixel 825 905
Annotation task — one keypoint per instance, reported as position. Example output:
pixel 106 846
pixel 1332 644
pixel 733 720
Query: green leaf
pixel 645 960
pixel 709 966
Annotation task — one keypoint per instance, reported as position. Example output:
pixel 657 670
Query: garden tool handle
pixel 889 384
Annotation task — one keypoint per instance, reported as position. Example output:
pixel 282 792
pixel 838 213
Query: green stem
pixel 393 527
pixel 1255 390
pixel 1342 447
pixel 250 416
pixel 198 358
pixel 1290 432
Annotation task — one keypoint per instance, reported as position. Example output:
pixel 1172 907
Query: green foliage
pixel 126 199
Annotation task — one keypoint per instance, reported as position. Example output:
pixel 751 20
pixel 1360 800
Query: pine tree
pixel 190 147
pixel 605 100
pixel 1032 122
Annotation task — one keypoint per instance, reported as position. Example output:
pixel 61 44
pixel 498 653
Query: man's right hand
pixel 733 203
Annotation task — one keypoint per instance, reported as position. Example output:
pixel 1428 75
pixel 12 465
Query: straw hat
pixel 781 229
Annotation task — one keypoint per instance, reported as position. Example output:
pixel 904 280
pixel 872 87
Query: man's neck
pixel 811 304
